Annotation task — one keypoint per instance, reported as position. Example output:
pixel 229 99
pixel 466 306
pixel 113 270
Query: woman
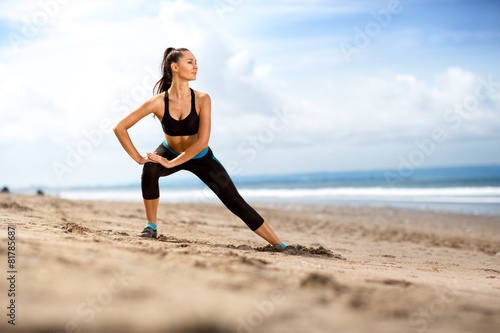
pixel 185 117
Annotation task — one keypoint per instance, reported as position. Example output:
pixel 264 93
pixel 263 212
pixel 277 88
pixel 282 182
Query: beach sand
pixel 81 268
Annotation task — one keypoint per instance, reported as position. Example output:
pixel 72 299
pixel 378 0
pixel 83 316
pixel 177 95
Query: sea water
pixel 466 190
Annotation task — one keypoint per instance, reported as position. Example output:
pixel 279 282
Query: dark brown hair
pixel 171 55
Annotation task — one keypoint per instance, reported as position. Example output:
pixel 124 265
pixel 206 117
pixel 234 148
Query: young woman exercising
pixel 185 117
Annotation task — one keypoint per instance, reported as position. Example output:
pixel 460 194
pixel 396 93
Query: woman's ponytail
pixel 171 55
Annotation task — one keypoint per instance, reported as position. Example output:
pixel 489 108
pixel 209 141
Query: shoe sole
pixel 146 236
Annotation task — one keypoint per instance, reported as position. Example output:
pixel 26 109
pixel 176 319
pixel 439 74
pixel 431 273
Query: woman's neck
pixel 179 89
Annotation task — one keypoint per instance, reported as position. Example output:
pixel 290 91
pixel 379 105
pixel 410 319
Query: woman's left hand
pixel 155 158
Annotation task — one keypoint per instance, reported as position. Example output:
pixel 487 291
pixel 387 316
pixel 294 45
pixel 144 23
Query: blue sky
pixel 285 97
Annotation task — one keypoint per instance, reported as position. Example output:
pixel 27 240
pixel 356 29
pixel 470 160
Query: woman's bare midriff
pixel 180 143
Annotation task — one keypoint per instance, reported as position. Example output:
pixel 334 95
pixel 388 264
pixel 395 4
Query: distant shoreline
pixel 474 201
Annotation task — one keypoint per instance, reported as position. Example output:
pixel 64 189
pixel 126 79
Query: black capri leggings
pixel 211 172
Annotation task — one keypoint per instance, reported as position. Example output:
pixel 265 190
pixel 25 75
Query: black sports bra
pixel 186 126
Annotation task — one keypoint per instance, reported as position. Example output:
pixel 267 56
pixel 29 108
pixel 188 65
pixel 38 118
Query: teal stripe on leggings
pixel 199 155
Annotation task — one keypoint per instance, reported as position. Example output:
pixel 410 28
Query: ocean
pixel 464 190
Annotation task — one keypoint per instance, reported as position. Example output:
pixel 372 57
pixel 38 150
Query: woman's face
pixel 186 67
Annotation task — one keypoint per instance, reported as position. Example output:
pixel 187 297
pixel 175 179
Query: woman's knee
pixel 150 171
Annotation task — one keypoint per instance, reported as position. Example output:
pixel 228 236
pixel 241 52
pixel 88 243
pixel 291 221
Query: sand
pixel 80 268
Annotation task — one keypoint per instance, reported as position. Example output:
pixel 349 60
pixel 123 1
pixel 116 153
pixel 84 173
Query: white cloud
pixel 393 107
pixel 65 81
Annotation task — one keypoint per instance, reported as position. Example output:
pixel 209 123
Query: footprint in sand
pixel 392 282
pixel 171 239
pixel 14 206
pixel 253 261
pixel 316 280
pixel 75 228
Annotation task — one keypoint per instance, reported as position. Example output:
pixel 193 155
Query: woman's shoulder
pixel 201 96
pixel 157 100
pixel 156 104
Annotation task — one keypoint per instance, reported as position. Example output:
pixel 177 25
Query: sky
pixel 296 86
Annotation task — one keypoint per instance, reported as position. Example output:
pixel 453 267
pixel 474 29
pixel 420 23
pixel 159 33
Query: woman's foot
pixel 284 246
pixel 148 232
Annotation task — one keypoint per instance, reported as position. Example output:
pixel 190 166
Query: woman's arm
pixel 200 144
pixel 120 129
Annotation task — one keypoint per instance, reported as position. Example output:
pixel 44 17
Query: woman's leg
pixel 213 174
pixel 267 233
pixel 151 207
pixel 151 174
